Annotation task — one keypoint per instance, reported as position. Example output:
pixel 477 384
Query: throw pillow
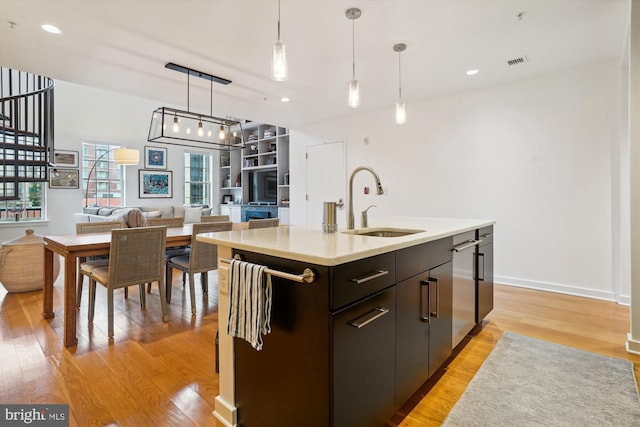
pixel 105 211
pixel 152 214
pixel 192 215
pixel 135 218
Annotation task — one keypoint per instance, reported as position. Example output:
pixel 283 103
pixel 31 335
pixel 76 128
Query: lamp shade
pixel 126 156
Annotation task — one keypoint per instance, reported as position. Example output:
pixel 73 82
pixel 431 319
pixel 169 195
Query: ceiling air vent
pixel 519 60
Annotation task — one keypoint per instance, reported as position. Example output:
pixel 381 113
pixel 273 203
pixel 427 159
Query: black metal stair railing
pixel 26 129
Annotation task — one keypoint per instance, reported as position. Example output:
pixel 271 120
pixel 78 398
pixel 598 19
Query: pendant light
pixel 401 115
pixel 279 68
pixel 192 129
pixel 354 86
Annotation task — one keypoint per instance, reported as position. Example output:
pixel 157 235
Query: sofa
pixel 134 215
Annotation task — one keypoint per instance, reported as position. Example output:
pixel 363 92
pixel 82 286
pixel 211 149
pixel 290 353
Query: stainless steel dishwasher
pixel 464 286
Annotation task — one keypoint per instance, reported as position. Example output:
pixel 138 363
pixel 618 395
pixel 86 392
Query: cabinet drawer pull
pixel 467 245
pixel 364 320
pixel 373 275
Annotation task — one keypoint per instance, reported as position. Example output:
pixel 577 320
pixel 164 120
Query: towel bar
pixel 307 276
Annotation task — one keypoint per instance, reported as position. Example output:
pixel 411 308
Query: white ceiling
pixel 123 45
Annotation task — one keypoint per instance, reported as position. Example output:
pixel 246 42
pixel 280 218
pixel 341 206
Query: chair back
pixel 204 256
pixel 168 222
pixel 214 218
pixel 137 256
pixel 98 227
pixel 264 223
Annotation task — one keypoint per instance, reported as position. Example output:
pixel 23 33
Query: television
pixel 263 187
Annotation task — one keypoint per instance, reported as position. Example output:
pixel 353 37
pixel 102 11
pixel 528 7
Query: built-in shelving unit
pixel 266 148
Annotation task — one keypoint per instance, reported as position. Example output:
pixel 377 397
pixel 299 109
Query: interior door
pixel 325 181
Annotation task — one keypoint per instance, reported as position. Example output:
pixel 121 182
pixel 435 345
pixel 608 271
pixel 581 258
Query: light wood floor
pixel 160 374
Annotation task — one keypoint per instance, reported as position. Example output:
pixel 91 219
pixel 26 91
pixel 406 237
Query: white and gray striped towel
pixel 250 302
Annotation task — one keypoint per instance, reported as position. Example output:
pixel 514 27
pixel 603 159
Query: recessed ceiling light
pixel 51 29
pixel 285 99
pixel 472 72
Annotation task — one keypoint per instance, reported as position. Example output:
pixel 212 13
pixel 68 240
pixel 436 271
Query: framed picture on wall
pixel 65 158
pixel 155 184
pixel 155 157
pixel 63 178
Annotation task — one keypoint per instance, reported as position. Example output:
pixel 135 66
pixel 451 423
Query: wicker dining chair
pixel 86 265
pixel 170 252
pixel 136 256
pixel 169 222
pixel 202 259
pixel 264 223
pixel 214 218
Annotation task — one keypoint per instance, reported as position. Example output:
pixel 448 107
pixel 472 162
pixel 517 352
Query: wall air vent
pixel 519 60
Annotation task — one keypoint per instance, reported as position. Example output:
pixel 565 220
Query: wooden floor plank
pixel 162 374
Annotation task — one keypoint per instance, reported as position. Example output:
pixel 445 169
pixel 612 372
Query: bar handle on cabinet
pixel 480 265
pixel 364 320
pixel 373 275
pixel 436 281
pixel 468 244
pixel 424 317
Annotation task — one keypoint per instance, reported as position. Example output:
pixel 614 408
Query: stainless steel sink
pixel 384 232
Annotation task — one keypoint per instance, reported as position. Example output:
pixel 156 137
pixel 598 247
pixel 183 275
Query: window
pixel 28 206
pixel 197 179
pixel 105 185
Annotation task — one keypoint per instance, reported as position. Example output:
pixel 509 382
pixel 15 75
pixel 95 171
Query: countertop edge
pixel 264 241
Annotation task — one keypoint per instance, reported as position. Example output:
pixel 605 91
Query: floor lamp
pixel 122 156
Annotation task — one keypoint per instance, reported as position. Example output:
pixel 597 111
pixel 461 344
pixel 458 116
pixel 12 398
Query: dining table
pixel 72 246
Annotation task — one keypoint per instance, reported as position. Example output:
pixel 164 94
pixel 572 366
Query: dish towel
pixel 250 302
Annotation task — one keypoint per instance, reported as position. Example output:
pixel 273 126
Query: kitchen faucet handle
pixel 364 219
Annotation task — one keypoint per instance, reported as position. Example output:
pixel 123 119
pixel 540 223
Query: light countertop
pixel 310 244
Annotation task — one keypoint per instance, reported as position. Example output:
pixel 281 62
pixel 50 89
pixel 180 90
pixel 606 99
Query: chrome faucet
pixel 350 218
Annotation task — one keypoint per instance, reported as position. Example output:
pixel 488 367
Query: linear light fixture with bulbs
pixel 190 129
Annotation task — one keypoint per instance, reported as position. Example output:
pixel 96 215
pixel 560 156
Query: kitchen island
pixel 349 348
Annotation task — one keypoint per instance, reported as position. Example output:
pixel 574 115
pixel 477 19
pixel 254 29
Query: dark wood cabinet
pixel 440 290
pixel 350 348
pixel 423 315
pixel 364 362
pixel 484 263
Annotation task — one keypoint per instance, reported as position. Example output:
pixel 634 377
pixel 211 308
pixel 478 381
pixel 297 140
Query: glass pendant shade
pixel 175 127
pixel 279 68
pixel 221 134
pixel 401 115
pixel 200 129
pixel 354 94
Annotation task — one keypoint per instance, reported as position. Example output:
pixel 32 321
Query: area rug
pixel 529 382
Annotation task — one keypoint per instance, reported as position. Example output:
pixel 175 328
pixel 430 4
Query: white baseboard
pixel 562 289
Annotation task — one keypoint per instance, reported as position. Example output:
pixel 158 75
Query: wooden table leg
pixel 47 300
pixel 70 301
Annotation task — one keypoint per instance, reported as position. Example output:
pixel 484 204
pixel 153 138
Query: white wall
pixel 535 156
pixel 88 114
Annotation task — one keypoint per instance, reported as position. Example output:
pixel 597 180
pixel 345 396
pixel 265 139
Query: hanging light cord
pixel 278 21
pixel 399 78
pixel 353 46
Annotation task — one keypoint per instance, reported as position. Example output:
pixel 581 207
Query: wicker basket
pixel 22 263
